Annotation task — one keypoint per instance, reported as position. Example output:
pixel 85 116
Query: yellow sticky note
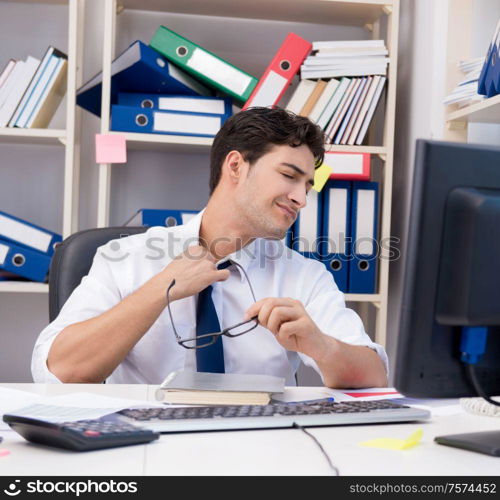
pixel 395 444
pixel 321 175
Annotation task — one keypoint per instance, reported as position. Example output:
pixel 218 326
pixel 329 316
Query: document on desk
pixel 65 407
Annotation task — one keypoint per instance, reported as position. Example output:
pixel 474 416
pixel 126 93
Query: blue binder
pixel 139 68
pixel 336 232
pixel 307 228
pixel 193 104
pixel 489 79
pixel 151 121
pixel 29 235
pixel 23 261
pixel 364 225
pixel 159 217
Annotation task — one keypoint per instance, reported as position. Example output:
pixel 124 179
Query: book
pixel 17 90
pixel 342 108
pixel 347 71
pixel 37 84
pixel 345 44
pixel 370 112
pixel 6 71
pixel 331 107
pixel 188 387
pixel 300 96
pixel 356 111
pixel 40 110
pixel 313 98
pixel 364 109
pixel 324 99
pixel 350 110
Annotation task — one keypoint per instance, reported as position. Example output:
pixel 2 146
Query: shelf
pixel 23 287
pixel 336 12
pixel 185 144
pixel 32 136
pixel 163 142
pixel 487 111
pixel 362 297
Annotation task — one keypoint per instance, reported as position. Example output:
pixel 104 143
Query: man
pixel 116 325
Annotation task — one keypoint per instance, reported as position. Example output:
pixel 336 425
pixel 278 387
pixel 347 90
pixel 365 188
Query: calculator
pixel 82 435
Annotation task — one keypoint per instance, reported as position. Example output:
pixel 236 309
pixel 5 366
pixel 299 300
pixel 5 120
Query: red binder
pixel 280 72
pixel 348 166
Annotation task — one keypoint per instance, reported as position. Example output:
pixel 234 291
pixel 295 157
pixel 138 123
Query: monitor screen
pixel 452 271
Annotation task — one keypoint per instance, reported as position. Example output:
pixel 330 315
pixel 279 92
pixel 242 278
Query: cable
pixel 330 464
pixel 477 386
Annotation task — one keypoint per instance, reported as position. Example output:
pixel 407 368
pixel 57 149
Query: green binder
pixel 203 64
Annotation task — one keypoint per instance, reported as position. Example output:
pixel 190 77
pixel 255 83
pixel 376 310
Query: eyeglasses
pixel 208 339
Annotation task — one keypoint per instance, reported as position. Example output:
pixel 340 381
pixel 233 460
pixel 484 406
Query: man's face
pixel 275 189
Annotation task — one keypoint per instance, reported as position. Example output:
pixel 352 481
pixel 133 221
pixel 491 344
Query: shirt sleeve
pixel 326 305
pixel 98 292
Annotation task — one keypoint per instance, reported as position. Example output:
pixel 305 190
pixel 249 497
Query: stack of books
pixel 25 249
pixel 346 58
pixel 466 90
pixel 31 90
pixel 185 387
pixel 341 85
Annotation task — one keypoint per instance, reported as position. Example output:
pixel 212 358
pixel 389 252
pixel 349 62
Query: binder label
pixel 173 122
pixel 364 222
pixel 270 88
pixel 4 250
pixel 25 234
pixel 217 70
pixel 337 221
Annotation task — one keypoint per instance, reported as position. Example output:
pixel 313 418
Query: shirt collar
pixel 243 257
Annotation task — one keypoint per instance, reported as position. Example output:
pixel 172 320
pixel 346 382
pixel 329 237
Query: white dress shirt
pixel 122 266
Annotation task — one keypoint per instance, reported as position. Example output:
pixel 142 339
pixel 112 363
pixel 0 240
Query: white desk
pixel 268 452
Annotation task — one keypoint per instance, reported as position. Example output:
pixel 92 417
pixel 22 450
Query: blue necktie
pixel 211 358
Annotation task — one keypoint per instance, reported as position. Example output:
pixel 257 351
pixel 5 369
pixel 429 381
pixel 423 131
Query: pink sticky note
pixel 110 148
pixel 4 453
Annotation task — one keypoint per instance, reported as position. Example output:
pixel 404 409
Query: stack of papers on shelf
pixel 31 90
pixel 187 387
pixel 466 91
pixel 332 59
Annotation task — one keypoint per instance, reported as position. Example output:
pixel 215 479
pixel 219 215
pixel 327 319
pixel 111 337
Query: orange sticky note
pixel 110 148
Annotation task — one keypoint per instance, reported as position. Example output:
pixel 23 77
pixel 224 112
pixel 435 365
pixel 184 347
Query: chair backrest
pixel 73 258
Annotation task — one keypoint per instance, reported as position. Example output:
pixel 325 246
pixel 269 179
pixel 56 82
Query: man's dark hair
pixel 255 131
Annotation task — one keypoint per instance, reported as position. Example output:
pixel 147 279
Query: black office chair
pixel 73 258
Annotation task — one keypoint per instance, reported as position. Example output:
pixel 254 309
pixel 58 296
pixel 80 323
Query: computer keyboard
pixel 203 418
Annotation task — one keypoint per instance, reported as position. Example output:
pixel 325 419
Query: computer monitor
pixel 452 272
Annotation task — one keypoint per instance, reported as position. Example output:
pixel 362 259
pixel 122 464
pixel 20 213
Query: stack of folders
pixel 342 83
pixel 31 90
pixel 339 228
pixel 466 91
pixel 167 114
pixel 160 217
pixel 187 387
pixel 25 249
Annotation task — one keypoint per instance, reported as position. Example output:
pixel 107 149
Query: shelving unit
pixel 68 138
pixel 458 47
pixel 371 15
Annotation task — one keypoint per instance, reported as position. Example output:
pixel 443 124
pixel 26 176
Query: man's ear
pixel 234 165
